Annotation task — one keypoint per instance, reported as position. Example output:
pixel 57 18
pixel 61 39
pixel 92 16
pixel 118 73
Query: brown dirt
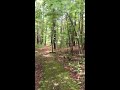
pixel 61 57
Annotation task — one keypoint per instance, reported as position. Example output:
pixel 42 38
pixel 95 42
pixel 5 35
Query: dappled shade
pixel 59 44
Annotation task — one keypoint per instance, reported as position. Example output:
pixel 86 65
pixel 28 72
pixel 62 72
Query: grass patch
pixel 56 78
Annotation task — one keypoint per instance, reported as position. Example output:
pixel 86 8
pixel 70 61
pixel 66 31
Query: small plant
pixel 77 68
pixel 38 46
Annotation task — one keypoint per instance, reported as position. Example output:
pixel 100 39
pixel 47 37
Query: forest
pixel 59 44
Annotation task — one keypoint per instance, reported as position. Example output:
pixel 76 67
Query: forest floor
pixel 54 71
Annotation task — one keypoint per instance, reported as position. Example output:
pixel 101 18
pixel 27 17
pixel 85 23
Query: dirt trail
pixel 51 74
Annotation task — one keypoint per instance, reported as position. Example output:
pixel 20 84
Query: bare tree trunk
pixel 81 32
pixel 38 37
pixel 45 35
pixel 52 38
pixel 54 35
pixel 71 34
pixel 61 34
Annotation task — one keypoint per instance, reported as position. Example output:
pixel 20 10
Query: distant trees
pixel 60 23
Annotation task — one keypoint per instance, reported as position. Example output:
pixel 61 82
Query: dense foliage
pixel 60 23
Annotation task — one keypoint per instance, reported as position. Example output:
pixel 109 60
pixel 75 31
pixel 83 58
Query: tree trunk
pixel 45 35
pixel 38 37
pixel 81 32
pixel 54 35
pixel 71 34
pixel 52 39
pixel 61 34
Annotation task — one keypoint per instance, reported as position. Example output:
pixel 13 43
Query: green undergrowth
pixel 38 46
pixel 55 77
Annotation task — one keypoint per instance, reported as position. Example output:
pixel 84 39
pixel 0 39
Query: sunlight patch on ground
pixel 56 78
pixel 48 55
